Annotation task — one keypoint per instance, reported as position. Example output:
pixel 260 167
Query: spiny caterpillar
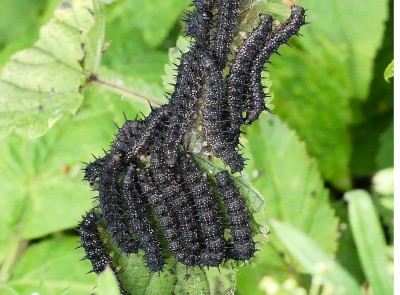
pixel 153 195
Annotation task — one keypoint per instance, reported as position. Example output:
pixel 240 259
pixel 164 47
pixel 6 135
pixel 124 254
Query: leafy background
pixel 323 161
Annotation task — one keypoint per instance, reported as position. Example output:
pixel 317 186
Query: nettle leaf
pixel 107 283
pixel 138 36
pixel 51 267
pixel 17 17
pixel 175 278
pixel 294 193
pixel 290 182
pixel 156 18
pixel 335 22
pixel 313 85
pixel 41 84
pixel 41 185
pixel 250 10
pixel 318 111
pixel 132 88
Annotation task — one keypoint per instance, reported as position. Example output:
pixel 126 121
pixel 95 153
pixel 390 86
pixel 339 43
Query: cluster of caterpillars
pixel 152 194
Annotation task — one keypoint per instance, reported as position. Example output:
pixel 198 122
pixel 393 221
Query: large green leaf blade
pixel 156 18
pixel 315 81
pixel 290 182
pixel 41 189
pixel 52 267
pixel 315 260
pixel 319 110
pixel 41 84
pixel 335 22
pixel 370 241
pixel 293 191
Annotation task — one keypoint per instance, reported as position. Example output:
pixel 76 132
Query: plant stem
pixel 124 91
pixel 14 248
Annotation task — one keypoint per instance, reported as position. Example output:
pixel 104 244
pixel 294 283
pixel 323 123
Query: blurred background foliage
pixel 323 161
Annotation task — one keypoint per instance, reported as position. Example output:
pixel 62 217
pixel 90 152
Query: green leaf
pixel 41 187
pixel 374 115
pixel 192 282
pixel 155 18
pixel 52 267
pixel 130 51
pixel 294 192
pixel 41 84
pixel 18 18
pixel 389 72
pixel 307 107
pixel 385 155
pixel 370 241
pixel 250 10
pixel 175 278
pixel 289 181
pixel 107 283
pixel 346 254
pixel 334 21
pixel 314 82
pixel 132 88
pixel 315 260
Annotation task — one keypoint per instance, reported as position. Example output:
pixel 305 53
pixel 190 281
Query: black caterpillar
pixel 213 117
pixel 280 36
pixel 92 244
pixel 152 194
pixel 238 77
pixel 225 26
pixel 177 199
pixel 136 217
pixel 206 208
pixel 243 247
pixel 110 204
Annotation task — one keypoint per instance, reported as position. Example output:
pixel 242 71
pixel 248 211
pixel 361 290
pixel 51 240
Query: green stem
pixel 15 247
pixel 124 91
